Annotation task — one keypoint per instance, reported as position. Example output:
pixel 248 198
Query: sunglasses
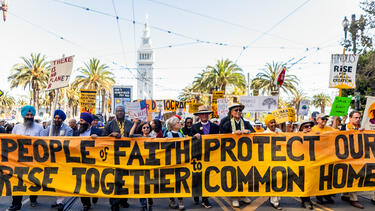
pixel 145 127
pixel 324 119
pixel 237 110
pixel 307 126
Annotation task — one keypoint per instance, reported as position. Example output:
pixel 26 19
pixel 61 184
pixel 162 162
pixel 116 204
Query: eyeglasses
pixel 324 119
pixel 237 110
pixel 307 126
pixel 145 127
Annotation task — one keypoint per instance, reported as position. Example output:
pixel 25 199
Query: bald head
pixel 72 123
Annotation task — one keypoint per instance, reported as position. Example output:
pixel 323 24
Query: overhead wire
pixel 219 20
pixel 151 26
pixel 270 29
pixel 119 31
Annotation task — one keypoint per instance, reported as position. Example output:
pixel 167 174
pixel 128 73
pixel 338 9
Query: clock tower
pixel 145 60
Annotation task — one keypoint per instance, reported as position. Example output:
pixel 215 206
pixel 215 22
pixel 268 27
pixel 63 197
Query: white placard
pixel 303 109
pixel 342 71
pixel 259 103
pixel 60 73
pixel 368 121
pixel 222 107
pixel 134 110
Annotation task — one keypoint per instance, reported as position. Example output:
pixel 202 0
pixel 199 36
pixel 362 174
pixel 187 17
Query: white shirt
pixel 277 130
pixel 34 130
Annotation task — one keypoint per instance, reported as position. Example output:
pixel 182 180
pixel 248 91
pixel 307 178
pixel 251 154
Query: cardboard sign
pixel 193 107
pixel 121 96
pixel 87 100
pixel 214 109
pixel 343 70
pixel 259 103
pixel 137 110
pixel 60 73
pixel 172 105
pixel 340 106
pixel 151 105
pixel 217 95
pixel 222 107
pixel 303 109
pixel 368 121
pixel 284 115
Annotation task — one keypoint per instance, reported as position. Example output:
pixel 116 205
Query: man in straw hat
pixel 204 127
pixel 235 124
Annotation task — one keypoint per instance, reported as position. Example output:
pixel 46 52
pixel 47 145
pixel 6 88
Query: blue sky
pixel 316 24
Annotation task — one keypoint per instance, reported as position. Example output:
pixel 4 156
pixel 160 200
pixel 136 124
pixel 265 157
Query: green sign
pixel 340 106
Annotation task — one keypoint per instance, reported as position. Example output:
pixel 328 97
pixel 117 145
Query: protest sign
pixel 217 95
pixel 87 100
pixel 368 121
pixel 137 110
pixel 340 106
pixel 172 105
pixel 1 93
pixel 342 71
pixel 151 105
pixel 222 107
pixel 303 109
pixel 259 103
pixel 121 96
pixel 160 105
pixel 193 107
pixel 287 164
pixel 60 73
pixel 284 115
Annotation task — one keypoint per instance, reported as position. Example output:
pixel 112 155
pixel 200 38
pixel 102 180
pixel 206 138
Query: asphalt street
pixel 219 203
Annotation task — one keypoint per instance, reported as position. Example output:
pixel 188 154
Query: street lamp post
pixel 4 8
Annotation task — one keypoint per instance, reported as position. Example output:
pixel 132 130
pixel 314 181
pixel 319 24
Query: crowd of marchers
pixel 197 125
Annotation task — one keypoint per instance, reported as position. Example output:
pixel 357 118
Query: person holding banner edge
pixel 353 124
pixel 28 128
pixel 270 121
pixel 118 127
pixel 235 124
pixel 59 128
pixel 204 127
pixel 85 129
pixel 305 127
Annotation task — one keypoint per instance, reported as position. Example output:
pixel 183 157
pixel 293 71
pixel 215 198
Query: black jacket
pixel 226 127
pixel 112 127
pixel 196 128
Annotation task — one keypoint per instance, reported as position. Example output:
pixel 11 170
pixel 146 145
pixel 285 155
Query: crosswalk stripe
pixel 255 204
pixel 220 204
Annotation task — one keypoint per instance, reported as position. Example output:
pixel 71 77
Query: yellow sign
pixel 151 106
pixel 193 107
pixel 284 115
pixel 287 164
pixel 87 100
pixel 173 105
pixel 217 95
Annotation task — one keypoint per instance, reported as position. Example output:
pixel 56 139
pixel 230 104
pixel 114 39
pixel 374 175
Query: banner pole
pixel 343 62
pixel 53 110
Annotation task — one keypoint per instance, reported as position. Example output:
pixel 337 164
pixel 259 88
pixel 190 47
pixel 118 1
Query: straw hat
pixel 203 110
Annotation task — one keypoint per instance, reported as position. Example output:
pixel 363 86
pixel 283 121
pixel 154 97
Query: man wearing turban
pixel 85 129
pixel 28 128
pixel 59 128
pixel 270 121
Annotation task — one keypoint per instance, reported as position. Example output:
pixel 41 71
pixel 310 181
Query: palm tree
pixel 6 102
pixel 34 73
pixel 72 94
pixel 95 76
pixel 265 80
pixel 321 100
pixel 223 75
